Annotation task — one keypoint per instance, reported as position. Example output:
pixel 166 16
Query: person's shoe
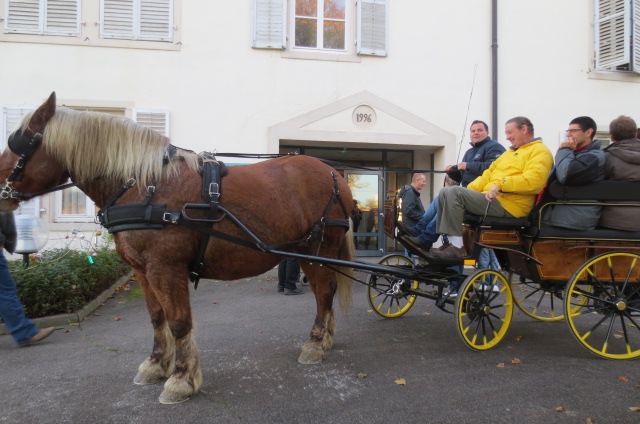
pixel 415 241
pixel 486 287
pixel 42 334
pixel 450 252
pixel 280 289
pixel 444 245
pixel 406 229
pixel 291 292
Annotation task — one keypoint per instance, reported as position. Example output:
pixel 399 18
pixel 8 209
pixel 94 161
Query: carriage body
pixel 589 279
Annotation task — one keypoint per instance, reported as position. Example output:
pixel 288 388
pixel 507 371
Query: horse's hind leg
pixel 173 294
pixel 161 361
pixel 323 283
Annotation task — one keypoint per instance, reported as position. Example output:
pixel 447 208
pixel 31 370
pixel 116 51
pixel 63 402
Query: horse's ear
pixel 43 114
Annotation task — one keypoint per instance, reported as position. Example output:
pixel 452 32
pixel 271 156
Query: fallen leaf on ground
pixel 74 323
pixel 625 379
pixel 516 361
pixel 401 382
pixel 361 375
pixel 500 365
pixel 635 408
pixel 214 303
pixel 560 408
pixel 588 421
pixel 426 314
pixel 120 303
pixel 518 338
pixel 117 318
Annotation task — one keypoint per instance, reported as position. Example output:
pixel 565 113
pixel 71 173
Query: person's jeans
pixel 426 227
pixel 22 329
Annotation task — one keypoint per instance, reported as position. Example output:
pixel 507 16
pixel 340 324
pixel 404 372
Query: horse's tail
pixel 344 276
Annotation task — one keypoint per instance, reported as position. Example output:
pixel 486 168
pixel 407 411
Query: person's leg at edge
pixel 21 328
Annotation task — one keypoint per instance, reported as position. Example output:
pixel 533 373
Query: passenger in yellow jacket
pixel 509 187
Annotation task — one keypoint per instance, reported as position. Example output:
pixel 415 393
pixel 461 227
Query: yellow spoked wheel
pixel 602 305
pixel 388 295
pixel 483 308
pixel 536 302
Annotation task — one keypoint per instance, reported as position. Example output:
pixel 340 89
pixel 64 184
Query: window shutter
pixel 269 22
pixel 62 17
pixel 156 20
pixel 12 116
pixel 117 19
pixel 612 33
pixel 23 16
pixel 636 37
pixel 372 27
pixel 157 120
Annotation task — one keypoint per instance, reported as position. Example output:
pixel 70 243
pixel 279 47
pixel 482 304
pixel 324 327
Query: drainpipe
pixel 494 68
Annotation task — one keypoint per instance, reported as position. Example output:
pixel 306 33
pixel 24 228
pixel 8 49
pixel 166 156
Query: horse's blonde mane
pixel 92 145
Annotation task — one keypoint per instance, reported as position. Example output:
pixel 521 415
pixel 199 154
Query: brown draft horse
pixel 279 200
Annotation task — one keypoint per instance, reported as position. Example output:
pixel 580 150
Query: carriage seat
pixel 599 233
pixel 496 222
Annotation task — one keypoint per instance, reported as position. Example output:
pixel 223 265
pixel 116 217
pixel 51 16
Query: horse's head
pixel 25 167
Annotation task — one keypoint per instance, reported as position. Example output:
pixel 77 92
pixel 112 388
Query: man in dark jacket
pixel 622 162
pixel 579 161
pixel 479 157
pixel 22 329
pixel 412 209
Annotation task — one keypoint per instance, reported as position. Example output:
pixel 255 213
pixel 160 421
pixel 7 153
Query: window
pixel 150 20
pixel 617 35
pixel 43 17
pixel 325 26
pixel 320 24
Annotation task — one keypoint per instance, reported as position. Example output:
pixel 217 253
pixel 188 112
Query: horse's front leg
pixel 323 283
pixel 173 294
pixel 161 361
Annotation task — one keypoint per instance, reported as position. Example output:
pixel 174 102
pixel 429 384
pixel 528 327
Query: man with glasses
pixel 578 161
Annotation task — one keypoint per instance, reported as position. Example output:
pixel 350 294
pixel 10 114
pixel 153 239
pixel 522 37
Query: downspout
pixel 494 68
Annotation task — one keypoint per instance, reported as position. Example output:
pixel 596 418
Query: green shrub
pixel 64 280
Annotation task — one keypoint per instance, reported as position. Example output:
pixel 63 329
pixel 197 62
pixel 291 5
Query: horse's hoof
pixel 171 398
pixel 310 356
pixel 145 379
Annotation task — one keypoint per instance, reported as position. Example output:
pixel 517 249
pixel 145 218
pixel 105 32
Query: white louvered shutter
pixel 145 20
pixel 117 19
pixel 635 47
pixel 157 120
pixel 62 17
pixel 613 32
pixel 23 16
pixel 156 20
pixel 12 115
pixel 372 27
pixel 48 17
pixel 269 23
pixel 11 118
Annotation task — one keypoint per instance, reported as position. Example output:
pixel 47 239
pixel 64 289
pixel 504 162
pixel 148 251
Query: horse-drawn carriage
pixel 589 279
pixel 188 218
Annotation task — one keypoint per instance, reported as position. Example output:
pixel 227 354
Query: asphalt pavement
pixel 250 337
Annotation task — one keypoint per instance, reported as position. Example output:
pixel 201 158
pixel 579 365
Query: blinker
pixel 23 145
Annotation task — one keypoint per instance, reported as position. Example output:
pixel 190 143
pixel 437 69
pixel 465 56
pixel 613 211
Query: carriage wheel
pixel 484 308
pixel 536 302
pixel 603 297
pixel 388 295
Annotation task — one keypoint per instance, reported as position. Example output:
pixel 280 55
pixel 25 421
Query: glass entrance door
pixel 368 218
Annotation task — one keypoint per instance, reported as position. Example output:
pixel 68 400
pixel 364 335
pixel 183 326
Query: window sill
pixel 614 76
pixel 90 42
pixel 321 55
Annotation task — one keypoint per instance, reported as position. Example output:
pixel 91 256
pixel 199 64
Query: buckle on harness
pixel 214 191
pixel 171 217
